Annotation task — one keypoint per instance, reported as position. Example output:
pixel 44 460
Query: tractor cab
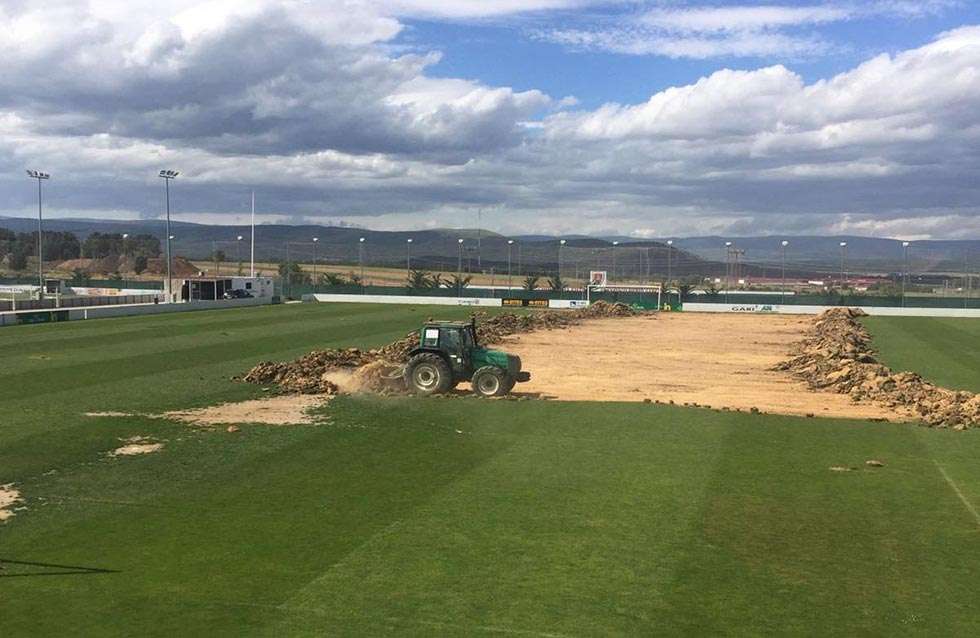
pixel 448 353
pixel 455 340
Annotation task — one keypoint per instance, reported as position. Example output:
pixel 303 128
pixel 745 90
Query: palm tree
pixel 556 284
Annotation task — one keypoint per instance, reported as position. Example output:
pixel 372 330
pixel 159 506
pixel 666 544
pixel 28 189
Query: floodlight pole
pixel 782 295
pixel 360 258
pixel 315 241
pixel 510 283
pixel 39 176
pixel 905 268
pixel 615 243
pixel 168 175
pixel 251 270
pixel 670 249
pixel 408 257
pixel 459 267
pixel 728 268
pixel 843 275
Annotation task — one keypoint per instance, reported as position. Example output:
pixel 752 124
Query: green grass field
pixel 944 350
pixel 452 516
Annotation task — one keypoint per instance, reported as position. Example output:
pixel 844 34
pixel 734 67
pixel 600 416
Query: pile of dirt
pixel 376 369
pixel 9 496
pixel 836 355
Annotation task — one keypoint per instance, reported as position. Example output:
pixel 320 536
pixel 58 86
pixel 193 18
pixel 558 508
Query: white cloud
pixel 334 126
pixel 741 31
pixel 740 18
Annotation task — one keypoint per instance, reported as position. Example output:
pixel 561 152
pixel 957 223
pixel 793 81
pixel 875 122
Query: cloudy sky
pixel 650 118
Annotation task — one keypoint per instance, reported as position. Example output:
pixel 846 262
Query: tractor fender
pixel 415 351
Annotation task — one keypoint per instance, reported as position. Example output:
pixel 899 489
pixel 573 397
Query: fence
pixel 88 283
pixel 78 302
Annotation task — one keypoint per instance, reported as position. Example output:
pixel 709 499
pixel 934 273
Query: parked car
pixel 238 294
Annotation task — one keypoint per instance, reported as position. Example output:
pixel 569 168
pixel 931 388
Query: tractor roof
pixel 447 324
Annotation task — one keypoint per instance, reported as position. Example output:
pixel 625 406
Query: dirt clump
pixel 378 370
pixel 137 445
pixel 836 355
pixel 9 496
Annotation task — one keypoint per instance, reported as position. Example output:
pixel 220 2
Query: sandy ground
pixel 717 360
pixel 278 410
pixel 9 497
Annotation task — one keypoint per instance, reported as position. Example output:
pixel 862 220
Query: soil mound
pixel 836 355
pixel 377 368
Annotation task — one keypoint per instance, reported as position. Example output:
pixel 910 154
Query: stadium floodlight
pixel 510 247
pixel 843 251
pixel 238 253
pixel 561 244
pixel 408 255
pixel 39 176
pixel 315 240
pixel 782 294
pixel 905 268
pixel 360 258
pixel 670 249
pixel 168 175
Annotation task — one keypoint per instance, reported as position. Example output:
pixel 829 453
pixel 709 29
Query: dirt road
pixel 718 360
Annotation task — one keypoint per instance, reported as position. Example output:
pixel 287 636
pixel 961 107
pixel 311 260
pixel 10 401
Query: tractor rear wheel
pixel 490 381
pixel 428 373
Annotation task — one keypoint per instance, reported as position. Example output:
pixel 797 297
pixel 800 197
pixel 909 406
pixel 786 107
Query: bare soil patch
pixel 9 496
pixel 716 360
pixel 277 410
pixel 137 446
pixel 316 372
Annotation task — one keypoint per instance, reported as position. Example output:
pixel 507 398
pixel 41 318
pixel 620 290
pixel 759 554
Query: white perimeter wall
pixel 434 301
pixel 125 310
pixel 789 309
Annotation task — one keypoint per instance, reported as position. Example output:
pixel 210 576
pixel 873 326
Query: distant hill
pixel 432 249
pixel 439 248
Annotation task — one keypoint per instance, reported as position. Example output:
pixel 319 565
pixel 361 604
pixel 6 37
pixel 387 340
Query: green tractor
pixel 448 353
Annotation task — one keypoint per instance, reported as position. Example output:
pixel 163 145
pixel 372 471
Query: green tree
pixel 292 273
pixel 556 284
pixel 531 282
pixel 333 279
pixel 79 277
pixel 18 259
pixel 140 264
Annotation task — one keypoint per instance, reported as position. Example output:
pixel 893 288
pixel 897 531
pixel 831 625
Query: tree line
pixel 16 248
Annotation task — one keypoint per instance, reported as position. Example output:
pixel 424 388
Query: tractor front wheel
pixel 490 381
pixel 429 373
